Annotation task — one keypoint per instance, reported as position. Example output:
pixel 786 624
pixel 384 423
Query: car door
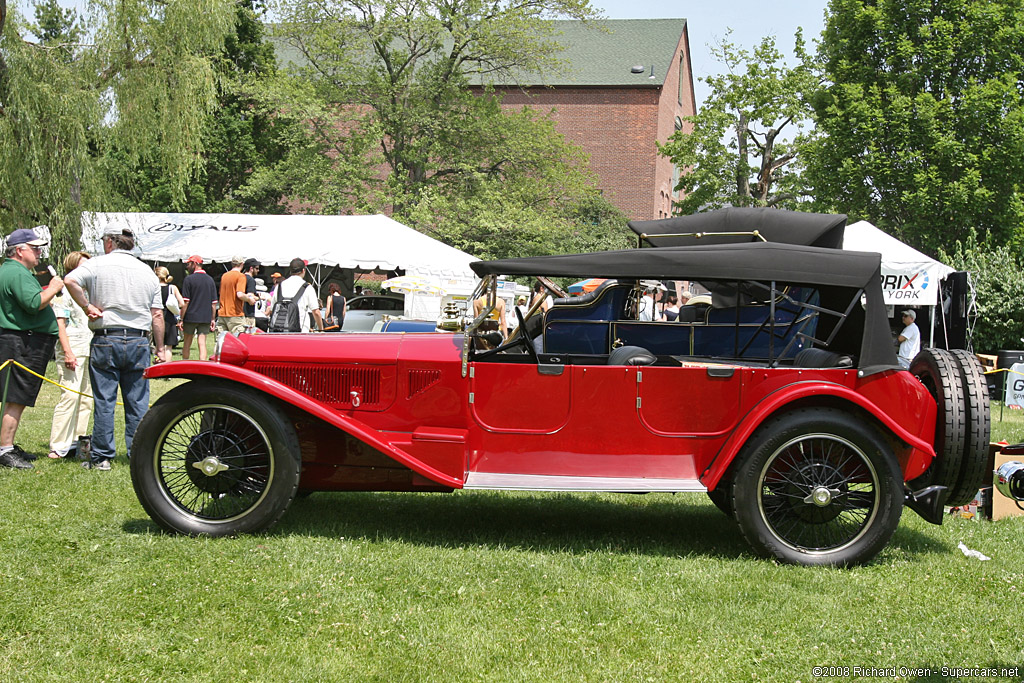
pixel 699 400
pixel 361 314
pixel 574 422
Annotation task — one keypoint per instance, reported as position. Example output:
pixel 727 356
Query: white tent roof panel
pixel 357 242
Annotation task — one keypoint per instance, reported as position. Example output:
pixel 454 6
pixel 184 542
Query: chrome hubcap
pixel 820 496
pixel 211 466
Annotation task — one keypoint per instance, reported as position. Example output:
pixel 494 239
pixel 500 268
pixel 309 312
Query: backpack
pixel 285 316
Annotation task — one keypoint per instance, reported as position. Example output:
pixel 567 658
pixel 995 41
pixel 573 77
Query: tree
pixel 140 77
pixel 921 118
pixel 735 150
pixel 239 137
pixel 401 86
pixel 541 201
pixel 999 286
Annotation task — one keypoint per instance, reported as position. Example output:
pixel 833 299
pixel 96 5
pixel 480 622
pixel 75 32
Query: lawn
pixel 483 586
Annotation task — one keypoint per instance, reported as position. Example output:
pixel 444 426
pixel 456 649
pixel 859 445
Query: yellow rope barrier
pixel 47 379
pixel 992 372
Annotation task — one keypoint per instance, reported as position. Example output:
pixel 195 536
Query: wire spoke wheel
pixel 215 459
pixel 215 462
pixel 818 492
pixel 818 486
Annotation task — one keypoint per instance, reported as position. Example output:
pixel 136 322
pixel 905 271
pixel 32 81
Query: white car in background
pixel 364 311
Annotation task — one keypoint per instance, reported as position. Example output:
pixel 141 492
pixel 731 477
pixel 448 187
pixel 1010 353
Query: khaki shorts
pixel 234 324
pixel 192 329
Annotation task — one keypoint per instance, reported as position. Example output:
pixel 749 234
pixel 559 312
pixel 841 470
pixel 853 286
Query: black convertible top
pixel 775 225
pixel 833 271
pixel 756 261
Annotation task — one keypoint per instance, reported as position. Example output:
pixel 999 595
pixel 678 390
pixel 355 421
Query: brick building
pixel 628 84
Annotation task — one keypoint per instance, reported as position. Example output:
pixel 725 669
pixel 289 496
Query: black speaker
pixel 951 326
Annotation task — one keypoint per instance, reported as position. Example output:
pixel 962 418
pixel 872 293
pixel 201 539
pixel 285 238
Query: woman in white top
pixel 173 303
pixel 73 410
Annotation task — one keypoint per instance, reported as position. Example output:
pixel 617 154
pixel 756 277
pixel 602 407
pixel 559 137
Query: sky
pixel 708 23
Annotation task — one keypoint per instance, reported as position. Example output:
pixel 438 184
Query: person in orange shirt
pixel 231 316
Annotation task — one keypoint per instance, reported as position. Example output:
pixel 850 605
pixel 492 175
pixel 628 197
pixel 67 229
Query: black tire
pixel 974 465
pixel 818 487
pixel 939 371
pixel 215 459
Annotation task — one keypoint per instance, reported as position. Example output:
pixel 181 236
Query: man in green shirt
pixel 28 331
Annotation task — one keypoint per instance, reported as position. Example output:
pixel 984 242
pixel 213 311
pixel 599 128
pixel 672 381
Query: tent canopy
pixel 364 243
pixel 909 278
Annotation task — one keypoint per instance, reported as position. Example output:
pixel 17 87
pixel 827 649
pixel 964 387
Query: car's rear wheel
pixel 818 487
pixel 940 373
pixel 215 459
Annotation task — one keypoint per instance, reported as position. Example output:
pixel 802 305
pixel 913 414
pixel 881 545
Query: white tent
pixel 364 243
pixel 909 278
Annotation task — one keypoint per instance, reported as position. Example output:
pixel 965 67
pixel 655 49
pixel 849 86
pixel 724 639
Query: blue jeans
pixel 117 361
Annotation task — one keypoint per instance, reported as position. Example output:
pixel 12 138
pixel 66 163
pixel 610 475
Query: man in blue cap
pixel 28 332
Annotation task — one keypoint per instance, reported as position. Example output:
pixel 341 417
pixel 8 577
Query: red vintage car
pixel 782 400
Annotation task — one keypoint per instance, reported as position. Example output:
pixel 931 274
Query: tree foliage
pixel 999 285
pixel 542 200
pixel 743 147
pixel 239 137
pixel 921 117
pixel 401 115
pixel 138 75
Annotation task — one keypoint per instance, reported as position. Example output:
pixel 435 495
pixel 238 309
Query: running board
pixel 545 482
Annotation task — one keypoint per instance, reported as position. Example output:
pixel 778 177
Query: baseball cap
pixel 195 259
pixel 911 312
pixel 277 275
pixel 25 236
pixel 250 263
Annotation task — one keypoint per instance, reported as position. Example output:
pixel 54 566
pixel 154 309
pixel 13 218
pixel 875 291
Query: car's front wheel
pixel 818 487
pixel 215 459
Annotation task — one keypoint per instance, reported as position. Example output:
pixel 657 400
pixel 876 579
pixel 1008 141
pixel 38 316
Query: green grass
pixel 474 586
pixel 1007 424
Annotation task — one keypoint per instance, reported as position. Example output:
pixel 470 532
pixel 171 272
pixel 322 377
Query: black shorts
pixel 33 350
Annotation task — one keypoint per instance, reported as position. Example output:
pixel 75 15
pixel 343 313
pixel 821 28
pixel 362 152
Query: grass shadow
pixel 653 524
pixel 577 523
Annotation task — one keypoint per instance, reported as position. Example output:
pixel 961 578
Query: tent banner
pixel 373 243
pixel 911 285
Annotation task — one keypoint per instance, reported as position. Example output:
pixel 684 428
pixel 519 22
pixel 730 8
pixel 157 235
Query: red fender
pixel 372 437
pixel 921 451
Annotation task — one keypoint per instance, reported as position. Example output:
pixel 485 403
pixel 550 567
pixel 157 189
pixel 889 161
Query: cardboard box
pixel 1002 506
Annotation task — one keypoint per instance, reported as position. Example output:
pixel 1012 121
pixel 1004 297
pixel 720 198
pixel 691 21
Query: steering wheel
pixel 521 340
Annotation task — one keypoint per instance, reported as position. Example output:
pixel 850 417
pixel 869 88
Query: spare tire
pixel 940 373
pixel 974 464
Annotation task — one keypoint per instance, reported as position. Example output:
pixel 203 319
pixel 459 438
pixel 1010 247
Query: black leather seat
pixel 690 314
pixel 631 355
pixel 820 358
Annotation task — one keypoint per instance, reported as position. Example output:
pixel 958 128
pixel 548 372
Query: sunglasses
pixel 34 248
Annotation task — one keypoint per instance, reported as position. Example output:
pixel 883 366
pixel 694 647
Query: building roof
pixel 602 53
pixel 597 53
